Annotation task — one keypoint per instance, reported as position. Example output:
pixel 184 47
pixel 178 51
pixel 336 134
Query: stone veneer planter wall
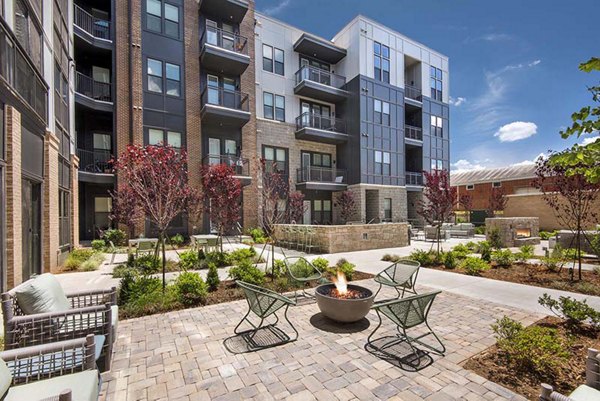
pixel 355 237
pixel 507 227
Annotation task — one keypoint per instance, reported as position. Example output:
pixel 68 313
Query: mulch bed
pixel 493 365
pixel 537 275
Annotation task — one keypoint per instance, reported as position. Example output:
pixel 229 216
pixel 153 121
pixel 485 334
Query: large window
pixel 102 142
pixel 435 77
pixel 437 126
pixel 437 164
pixel 387 209
pixel 383 164
pixel 162 17
pixel 64 217
pixel 381 54
pixel 273 107
pixel 381 112
pixel 273 60
pixel 160 137
pixel 173 80
pixel 155 76
pixel 102 209
pixel 322 211
pixel 275 159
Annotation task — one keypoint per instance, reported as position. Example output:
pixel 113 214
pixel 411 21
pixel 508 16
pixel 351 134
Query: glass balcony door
pixel 213 89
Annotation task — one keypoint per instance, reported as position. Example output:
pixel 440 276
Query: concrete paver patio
pixel 181 356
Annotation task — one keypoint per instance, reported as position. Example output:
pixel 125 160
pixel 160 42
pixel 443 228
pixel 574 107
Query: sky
pixel 514 77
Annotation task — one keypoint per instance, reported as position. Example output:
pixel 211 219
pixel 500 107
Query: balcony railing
pixel 225 40
pixel 96 27
pixel 319 121
pixel 413 92
pixel 318 75
pixel 414 178
pixel 225 98
pixel 413 132
pixel 240 166
pixel 95 161
pixel 93 89
pixel 321 174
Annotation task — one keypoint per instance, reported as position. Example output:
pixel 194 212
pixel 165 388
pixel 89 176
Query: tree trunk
pixel 164 262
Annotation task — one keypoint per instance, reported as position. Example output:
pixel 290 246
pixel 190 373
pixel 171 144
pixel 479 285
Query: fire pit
pixel 343 302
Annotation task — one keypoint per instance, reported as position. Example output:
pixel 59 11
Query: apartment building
pixel 366 111
pixel 38 184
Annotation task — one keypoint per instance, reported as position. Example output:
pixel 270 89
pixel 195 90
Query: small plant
pixel 573 311
pixel 212 277
pixel 390 258
pixel 301 269
pixel 190 289
pixel 480 230
pixel 506 328
pixel 495 239
pixel 570 254
pixel 133 286
pixel 221 259
pixel 147 264
pixel 461 251
pixel 246 271
pixel 546 235
pixel 98 245
pixel 189 260
pixel 241 254
pixel 177 241
pixel 121 270
pixel 71 264
pixel 116 236
pixel 76 258
pixel 503 257
pixel 258 235
pixel 92 263
pixel 278 268
pixel 485 250
pixel 450 261
pixel 282 284
pixel 474 266
pixel 425 258
pixel 473 246
pixel 345 267
pixel 525 253
pixel 555 260
pixel 320 263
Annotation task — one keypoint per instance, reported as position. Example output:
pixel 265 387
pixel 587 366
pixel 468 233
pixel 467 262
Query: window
pixel 470 187
pixel 64 226
pixel 274 107
pixel 437 164
pixel 155 74
pixel 155 137
pixel 275 158
pixel 381 112
pixel 383 164
pixel 27 32
pixel 387 209
pixel 159 137
pixel 437 126
pixel 496 184
pixel 173 80
pixel 378 162
pixel 279 61
pixel 381 54
pixel 273 60
pixel 267 58
pixel 387 165
pixel 435 78
pixel 174 139
pixel 169 25
pixel 102 209
pixel 171 20
pixel 386 113
pixel 377 107
pixel 102 142
pixel 279 108
pixel 153 15
pixel 321 211
pixel 268 105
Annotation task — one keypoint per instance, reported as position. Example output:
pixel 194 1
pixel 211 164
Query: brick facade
pixel 370 202
pixel 74 200
pixel 50 219
pixel 14 233
pixel 481 191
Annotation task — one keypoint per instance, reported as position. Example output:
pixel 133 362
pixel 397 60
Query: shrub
pixel 546 235
pixel 133 286
pixel 450 260
pixel 595 243
pixel 320 263
pixel 506 328
pixel 495 239
pixel 461 251
pixel 301 269
pixel 177 240
pixel 258 235
pixel 570 254
pixel 390 258
pixel 425 258
pixel 503 257
pixel 121 270
pixel 147 264
pixel 480 230
pixel 92 263
pixel 573 311
pixel 278 268
pixel 76 258
pixel 151 302
pixel 343 266
pixel 221 259
pixel 474 266
pixel 246 271
pixel 241 254
pixel 116 236
pixel 71 264
pixel 188 260
pixel 282 284
pixel 212 277
pixel 555 260
pixel 98 245
pixel 485 250
pixel 473 246
pixel 525 253
pixel 190 289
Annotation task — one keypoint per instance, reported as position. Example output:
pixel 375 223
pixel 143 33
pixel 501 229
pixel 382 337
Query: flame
pixel 341 284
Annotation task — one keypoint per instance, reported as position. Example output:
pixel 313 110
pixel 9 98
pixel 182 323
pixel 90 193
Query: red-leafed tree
pixel 497 201
pixel 347 204
pixel 295 207
pixel 124 209
pixel 222 192
pixel 438 201
pixel 572 198
pixel 155 179
pixel 466 202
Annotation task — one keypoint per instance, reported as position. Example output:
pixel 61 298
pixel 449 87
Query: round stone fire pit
pixel 345 308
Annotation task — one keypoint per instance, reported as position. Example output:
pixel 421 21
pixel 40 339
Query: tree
pixel 497 201
pixel 295 207
pixel 155 181
pixel 466 202
pixel 438 201
pixel 580 159
pixel 124 209
pixel 222 194
pixel 571 197
pixel 346 203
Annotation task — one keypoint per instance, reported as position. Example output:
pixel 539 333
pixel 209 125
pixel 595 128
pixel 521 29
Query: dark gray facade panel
pixel 32 154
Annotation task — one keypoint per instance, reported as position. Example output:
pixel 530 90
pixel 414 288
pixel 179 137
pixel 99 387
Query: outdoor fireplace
pixel 521 233
pixel 343 302
pixel 514 231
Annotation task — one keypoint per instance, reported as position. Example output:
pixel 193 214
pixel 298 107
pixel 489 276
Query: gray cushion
pixel 5 378
pixel 84 387
pixel 585 393
pixel 42 294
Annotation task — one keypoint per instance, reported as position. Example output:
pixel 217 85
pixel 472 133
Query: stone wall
pixel 507 227
pixel 349 238
pixel 370 198
pixel 568 239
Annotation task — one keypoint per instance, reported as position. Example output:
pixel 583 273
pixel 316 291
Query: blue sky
pixel 514 80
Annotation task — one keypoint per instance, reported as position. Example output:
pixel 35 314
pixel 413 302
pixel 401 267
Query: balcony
pixel 320 84
pixel 224 52
pixel 321 178
pixel 225 107
pixel 319 48
pixel 413 93
pixel 229 10
pixel 414 133
pixel 320 128
pixel 93 94
pixel 414 179
pixel 240 166
pixel 93 30
pixel 95 166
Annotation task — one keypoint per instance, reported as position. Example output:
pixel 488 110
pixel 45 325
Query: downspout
pixel 130 54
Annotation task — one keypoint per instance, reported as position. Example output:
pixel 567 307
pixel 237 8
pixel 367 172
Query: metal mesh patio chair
pixel 145 248
pixel 212 244
pixel 401 275
pixel 405 313
pixel 588 391
pixel 264 303
pixel 300 270
pixel 309 245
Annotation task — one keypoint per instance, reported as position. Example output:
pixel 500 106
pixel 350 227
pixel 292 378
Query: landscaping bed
pixel 569 372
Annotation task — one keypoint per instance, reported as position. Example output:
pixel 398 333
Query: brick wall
pixel 14 234
pixel 74 201
pixel 370 202
pixel 482 191
pixel 50 229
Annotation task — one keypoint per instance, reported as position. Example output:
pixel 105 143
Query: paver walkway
pixel 181 356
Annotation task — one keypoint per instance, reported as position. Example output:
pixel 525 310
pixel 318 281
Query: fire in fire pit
pixel 522 233
pixel 344 302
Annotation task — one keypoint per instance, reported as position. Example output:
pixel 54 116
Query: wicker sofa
pixel 39 312
pixel 586 392
pixel 459 230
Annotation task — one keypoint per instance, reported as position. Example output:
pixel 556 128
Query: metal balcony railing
pixel 413 178
pixel 318 75
pixel 95 161
pixel 96 90
pixel 413 132
pixel 413 92
pixel 240 166
pixel 321 174
pixel 230 99
pixel 96 27
pixel 319 121
pixel 225 40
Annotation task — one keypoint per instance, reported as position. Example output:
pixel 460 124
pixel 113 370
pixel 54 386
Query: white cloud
pixel 534 63
pixel 530 162
pixel 277 8
pixel 464 165
pixel 516 131
pixel 587 141
pixel 457 101
pixel 495 37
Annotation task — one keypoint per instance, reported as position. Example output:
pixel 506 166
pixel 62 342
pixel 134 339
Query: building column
pixel 74 218
pixel 14 211
pixel 50 213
